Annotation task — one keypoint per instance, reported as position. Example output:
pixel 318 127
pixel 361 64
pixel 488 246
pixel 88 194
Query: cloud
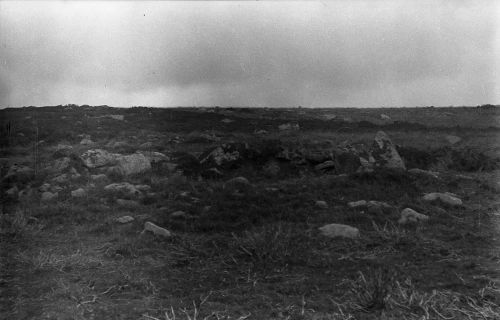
pixel 249 53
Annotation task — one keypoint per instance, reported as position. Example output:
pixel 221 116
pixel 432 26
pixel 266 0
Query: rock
pixel 19 174
pixel 420 172
pixel 339 230
pixel 385 117
pixel 411 216
pixel 178 214
pixel 86 142
pixel 329 117
pixel 226 155
pixel 453 139
pixel 327 165
pixel 448 198
pixel 55 189
pixel 124 188
pixel 96 158
pixel 212 173
pixel 289 127
pixel 48 196
pixel 385 154
pixel 146 145
pixel 226 120
pixel 125 219
pixel 99 178
pixel 272 189
pixel 60 165
pixel 261 131
pixel 357 204
pixel 143 187
pixel 62 150
pixel 133 164
pixel 156 230
pixel 12 192
pixel 321 204
pixel 127 203
pixel 377 207
pixel 155 157
pixel 118 117
pixel 78 193
pixel 271 168
pixel 61 179
pixel 44 187
pixel 237 183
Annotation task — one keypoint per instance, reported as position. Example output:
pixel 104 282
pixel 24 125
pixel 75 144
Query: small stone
pixel 156 230
pixel 125 219
pixel 226 120
pixel 99 178
pixel 448 198
pixel 78 193
pixel 411 216
pixel 321 204
pixel 339 230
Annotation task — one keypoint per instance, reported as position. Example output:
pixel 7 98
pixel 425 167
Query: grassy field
pixel 255 252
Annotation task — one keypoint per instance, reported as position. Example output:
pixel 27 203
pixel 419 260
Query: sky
pixel 252 53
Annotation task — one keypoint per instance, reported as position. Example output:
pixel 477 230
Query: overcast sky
pixel 275 54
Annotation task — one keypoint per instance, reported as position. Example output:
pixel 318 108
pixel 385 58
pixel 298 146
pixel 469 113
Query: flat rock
pixel 156 230
pixel 334 230
pixel 411 216
pixel 125 219
pixel 357 204
pixel 448 198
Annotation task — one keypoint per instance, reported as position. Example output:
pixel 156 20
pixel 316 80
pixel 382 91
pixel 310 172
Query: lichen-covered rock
pixel 96 158
pixel 385 154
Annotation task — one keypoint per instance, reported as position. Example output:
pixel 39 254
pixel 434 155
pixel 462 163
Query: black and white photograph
pixel 250 160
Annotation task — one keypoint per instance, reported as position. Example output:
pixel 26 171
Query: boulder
pixel 133 164
pixel 96 158
pixel 178 214
pixel 155 157
pixel 226 120
pixel 60 165
pixel 78 193
pixel 448 198
pixel 125 219
pixel 124 188
pixel 339 230
pixel 226 155
pixel 62 150
pixel 411 216
pixel 61 179
pixel 321 204
pixel 156 230
pixel 385 154
pixel 12 192
pixel 385 117
pixel 237 183
pixel 48 196
pixel 119 117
